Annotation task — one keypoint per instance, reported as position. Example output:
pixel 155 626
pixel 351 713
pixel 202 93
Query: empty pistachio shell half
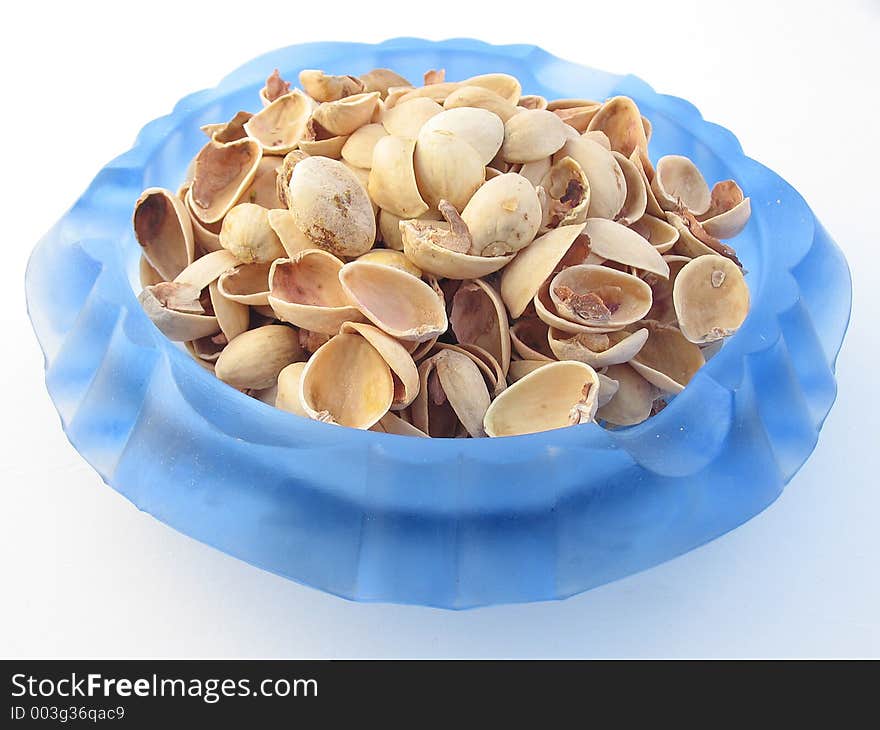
pixel 480 128
pixel 597 350
pixel 358 148
pixel 553 396
pixel 221 174
pixel 567 194
pixel 447 168
pixel 254 358
pixel 342 117
pixel 607 181
pixel 382 79
pixel 347 382
pixel 479 318
pixel 599 297
pixel 228 131
pixel 325 87
pixel 615 242
pixel 503 216
pixel 711 298
pixel 504 85
pixel 728 211
pixel 667 360
pixel 678 182
pixel 246 233
pixel 452 392
pixel 394 300
pixel 390 257
pixel 280 126
pixel 659 233
pixel 532 135
pixel 331 207
pixel 479 97
pixel 529 338
pixel 392 181
pixel 620 120
pixel 206 269
pixel 632 402
pixel 162 228
pixel 394 424
pixel 232 317
pixel 177 310
pixel 636 201
pixel 274 87
pixel 287 395
pixel 520 368
pixel 246 284
pixel 407 119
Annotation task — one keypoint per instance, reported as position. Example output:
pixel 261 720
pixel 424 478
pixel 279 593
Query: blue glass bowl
pixel 451 523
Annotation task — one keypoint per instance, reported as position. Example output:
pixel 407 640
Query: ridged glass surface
pixel 451 523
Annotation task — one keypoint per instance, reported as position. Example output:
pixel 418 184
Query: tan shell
pixel 659 233
pixel 556 104
pixel 176 310
pixel 305 291
pixel 636 200
pixel 598 137
pixel 597 350
pixel 522 277
pixel 394 424
pixel 503 216
pixel 162 228
pixel 652 206
pixel 246 233
pixel 728 212
pixel 394 300
pixel 347 382
pixel 233 317
pixel 566 195
pixel 693 240
pixel 608 388
pixel 620 120
pixel 341 118
pixel 447 168
pixel 529 337
pixel 246 284
pixel 479 97
pixel 319 142
pixel 711 298
pixel 478 317
pixel 331 207
pixel 496 379
pixel 532 101
pixel 324 87
pixel 390 257
pixel 679 181
pixel 436 92
pixel 382 79
pixel 535 171
pixel 206 269
pixel 206 235
pixel 280 126
pixel 532 135
pixel 147 275
pixel 578 117
pixel 480 128
pixel 405 120
pixel 287 396
pixel 254 358
pixel 668 360
pixel 292 239
pixel 403 369
pixel 221 174
pixel 392 182
pixel 452 391
pixel 274 87
pixel 520 368
pixel 615 242
pixel 607 181
pixel 263 189
pixel 358 148
pixel 622 298
pixel 504 85
pixel 662 309
pixel 632 402
pixel 553 396
pixel 228 131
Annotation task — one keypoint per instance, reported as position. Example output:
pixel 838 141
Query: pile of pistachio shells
pixel 453 259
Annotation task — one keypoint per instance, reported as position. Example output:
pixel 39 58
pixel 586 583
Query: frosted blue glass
pixel 451 523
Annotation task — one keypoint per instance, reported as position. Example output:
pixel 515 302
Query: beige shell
pixel 608 388
pixel 662 309
pixel 693 240
pixel 597 350
pixel 668 360
pixel 232 317
pixel 280 126
pixel 147 275
pixel 447 168
pixel 246 284
pixel 254 358
pixel 405 120
pixel 347 382
pixel 636 200
pixel 480 128
pixel 274 87
pixel 391 257
pixel 305 291
pixel 319 142
pixel 479 97
pixel 284 173
pixel 607 181
pixel 578 117
pixel 535 171
pixel 162 228
pixel 263 189
pixel 478 317
pixel 678 181
pixel 728 212
pixel 532 135
pixel 652 206
pixel 522 277
pixel 331 207
pixel 452 391
pixel 325 87
pixel 553 396
pixel 529 337
pixel 615 242
pixel 176 310
pixel 711 298
pixel 382 79
pixel 503 216
pixel 532 101
pixel 394 424
pixel 494 374
pixel 598 137
pixel 598 297
pixel 392 182
pixel 292 239
pixel 394 300
pixel 520 368
pixel 403 369
pixel 206 235
pixel 659 233
pixel 287 396
pixel 632 402
pixel 228 131
pixel 358 148
pixel 341 118
pixel 206 269
pixel 619 118
pixel 436 92
pixel 221 174
pixel 566 194
pixel 504 85
pixel 246 233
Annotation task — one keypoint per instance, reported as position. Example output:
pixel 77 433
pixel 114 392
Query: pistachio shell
pixel 246 284
pixel 317 144
pixel 607 389
pixel 503 216
pixel 578 117
pixel 615 242
pixel 305 291
pixel 254 358
pixel 652 205
pixel 668 360
pixel 662 309
pixel 479 318
pixel 598 297
pixel 553 396
pixel 206 269
pixel 342 117
pixel 391 423
pixel 395 301
pixel 535 171
pixel 619 118
pixel 221 174
pixel 436 92
pixel 636 200
pixel 292 239
pixel 331 207
pixel 557 104
pixel 532 101
pixel 263 190
pixel 403 369
pixel 453 379
pixel 147 275
pixel 480 128
pixel 520 368
pixel 446 168
pixel 358 148
pixel 287 396
pixel 599 350
pixel 481 98
pixel 406 119
pixel 678 182
pixel 522 277
pixel 599 137
pixel 324 87
pixel 382 79
pixel 567 194
pixel 505 85
pixel 274 87
pixel 246 233
pixel 228 131
pixel 279 126
pixel 284 173
pixel 632 402
pixel 711 298
pixel 392 182
pixel 660 234
pixel 530 340
pixel 162 228
pixel 390 257
pixel 347 382
pixel 490 367
pixel 728 211
pixel 532 135
pixel 607 182
pixel 232 317
pixel 176 310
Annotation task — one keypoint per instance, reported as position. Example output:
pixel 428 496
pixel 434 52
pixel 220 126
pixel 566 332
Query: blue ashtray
pixel 446 522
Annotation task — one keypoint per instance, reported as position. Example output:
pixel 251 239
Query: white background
pixel 85 574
